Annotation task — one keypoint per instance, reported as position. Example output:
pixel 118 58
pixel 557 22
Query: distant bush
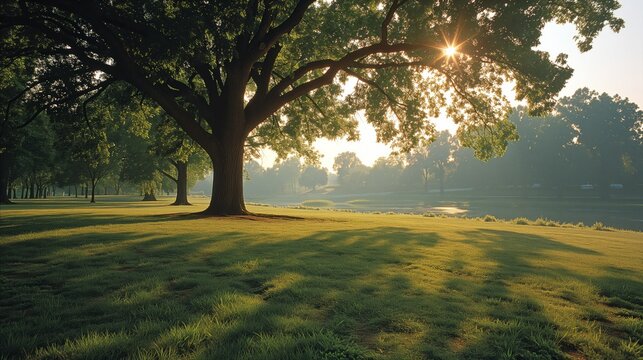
pixel 429 214
pixel 489 218
pixel 600 226
pixel 580 224
pixel 546 222
pixel 540 222
pixel 521 221
pixel 553 223
pixel 318 203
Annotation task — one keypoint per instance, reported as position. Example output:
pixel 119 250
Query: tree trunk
pixel 4 198
pixel 86 190
pixel 425 180
pixel 76 190
pixel 227 187
pixel 93 200
pixel 32 190
pixel 181 183
pixel 4 179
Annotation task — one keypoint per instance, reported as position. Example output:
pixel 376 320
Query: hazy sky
pixel 614 65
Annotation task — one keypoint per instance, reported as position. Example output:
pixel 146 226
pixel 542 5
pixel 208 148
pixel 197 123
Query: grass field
pixel 142 280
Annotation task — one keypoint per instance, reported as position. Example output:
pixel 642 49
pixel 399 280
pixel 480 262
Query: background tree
pixel 13 78
pixel 344 163
pixel 437 160
pixel 609 128
pixel 288 172
pixel 385 174
pixel 88 148
pixel 186 157
pixel 262 68
pixel 313 176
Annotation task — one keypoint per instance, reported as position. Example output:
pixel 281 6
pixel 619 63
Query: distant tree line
pixel 112 146
pixel 591 142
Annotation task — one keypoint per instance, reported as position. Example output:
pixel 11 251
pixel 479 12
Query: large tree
pixel 273 71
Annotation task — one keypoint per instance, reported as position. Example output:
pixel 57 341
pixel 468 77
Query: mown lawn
pixel 145 280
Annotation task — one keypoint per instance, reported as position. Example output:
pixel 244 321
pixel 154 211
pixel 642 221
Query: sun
pixel 450 51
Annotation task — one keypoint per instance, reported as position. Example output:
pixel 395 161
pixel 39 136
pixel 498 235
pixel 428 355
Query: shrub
pixel 552 223
pixel 429 214
pixel 600 226
pixel 541 222
pixel 489 218
pixel 521 221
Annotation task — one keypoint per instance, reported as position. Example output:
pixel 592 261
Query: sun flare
pixel 450 51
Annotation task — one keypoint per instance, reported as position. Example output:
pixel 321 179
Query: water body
pixel 625 213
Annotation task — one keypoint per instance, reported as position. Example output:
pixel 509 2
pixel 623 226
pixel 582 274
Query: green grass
pixel 149 281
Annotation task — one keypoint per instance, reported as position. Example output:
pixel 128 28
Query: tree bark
pixel 4 179
pixel 93 200
pixel 4 198
pixel 32 190
pixel 181 183
pixel 227 187
pixel 86 190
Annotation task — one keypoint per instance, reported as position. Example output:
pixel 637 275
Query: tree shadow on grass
pixel 513 324
pixel 384 292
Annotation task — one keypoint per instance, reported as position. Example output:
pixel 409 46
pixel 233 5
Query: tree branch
pixel 393 103
pixel 168 175
pixel 389 17
pixel 272 36
pixel 92 98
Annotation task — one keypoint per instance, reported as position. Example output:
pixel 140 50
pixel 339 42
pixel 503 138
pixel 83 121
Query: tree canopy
pixel 276 72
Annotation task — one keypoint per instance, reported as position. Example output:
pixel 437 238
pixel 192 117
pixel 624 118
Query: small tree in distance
pixel 313 176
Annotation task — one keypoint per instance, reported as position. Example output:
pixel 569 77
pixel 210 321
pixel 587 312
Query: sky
pixel 614 65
